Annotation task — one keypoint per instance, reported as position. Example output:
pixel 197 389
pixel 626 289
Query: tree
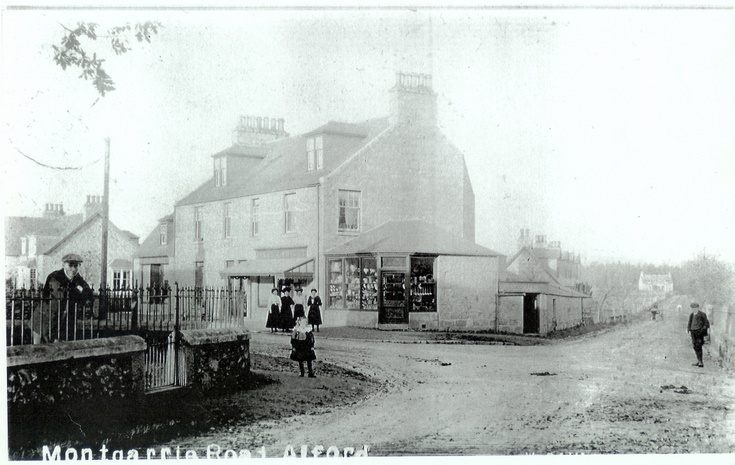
pixel 708 280
pixel 71 51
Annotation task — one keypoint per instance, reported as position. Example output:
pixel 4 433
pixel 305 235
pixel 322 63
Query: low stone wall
pixel 216 358
pixel 722 333
pixel 64 373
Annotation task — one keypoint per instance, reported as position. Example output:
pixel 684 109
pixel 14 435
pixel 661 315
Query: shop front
pixel 414 277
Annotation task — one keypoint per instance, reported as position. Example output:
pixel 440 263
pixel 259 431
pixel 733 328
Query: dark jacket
pixel 698 322
pixel 64 302
pixel 302 346
pixel 59 285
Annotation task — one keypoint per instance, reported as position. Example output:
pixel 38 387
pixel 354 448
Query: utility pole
pixel 105 215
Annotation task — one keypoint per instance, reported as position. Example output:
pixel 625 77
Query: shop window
pixel 353 283
pixel 265 287
pixel 336 282
pixel 423 285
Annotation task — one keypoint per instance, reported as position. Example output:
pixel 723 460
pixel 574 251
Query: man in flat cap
pixel 65 295
pixel 697 327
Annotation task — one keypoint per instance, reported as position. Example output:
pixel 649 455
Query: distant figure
pixel 678 308
pixel 302 346
pixel 274 314
pixel 315 312
pixel 286 315
pixel 65 295
pixel 697 327
pixel 654 311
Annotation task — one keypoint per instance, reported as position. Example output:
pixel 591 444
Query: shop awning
pixel 271 267
pixel 537 287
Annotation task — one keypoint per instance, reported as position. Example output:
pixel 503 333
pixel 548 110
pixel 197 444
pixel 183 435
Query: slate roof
pixel 49 230
pixel 544 267
pixel 284 167
pixel 411 237
pixel 82 226
pixel 151 246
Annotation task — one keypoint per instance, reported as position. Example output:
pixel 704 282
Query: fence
pixel 115 312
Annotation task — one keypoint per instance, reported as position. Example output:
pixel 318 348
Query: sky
pixel 609 130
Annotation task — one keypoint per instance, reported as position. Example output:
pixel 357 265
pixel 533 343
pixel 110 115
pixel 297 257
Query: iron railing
pixel 32 317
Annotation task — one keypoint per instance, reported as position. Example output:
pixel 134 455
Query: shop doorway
pixel 530 314
pixel 394 304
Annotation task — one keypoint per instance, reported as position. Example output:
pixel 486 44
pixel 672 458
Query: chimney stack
pixel 53 210
pixel 93 205
pixel 257 130
pixel 412 101
pixel 524 240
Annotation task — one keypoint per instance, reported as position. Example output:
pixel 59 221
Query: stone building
pixel 34 246
pixel 541 289
pixel 278 208
pixel 154 259
pixel 655 283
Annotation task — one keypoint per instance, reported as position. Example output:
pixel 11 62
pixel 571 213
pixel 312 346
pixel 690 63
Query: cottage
pixel 34 246
pixel 303 210
pixel 541 289
pixel 661 283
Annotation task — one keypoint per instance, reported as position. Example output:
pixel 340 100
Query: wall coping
pixel 55 351
pixel 197 337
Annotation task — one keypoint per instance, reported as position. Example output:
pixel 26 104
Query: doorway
pixel 394 304
pixel 530 314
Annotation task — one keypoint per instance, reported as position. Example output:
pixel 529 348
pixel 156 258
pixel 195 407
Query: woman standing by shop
pixel 315 312
pixel 274 313
pixel 287 322
pixel 299 303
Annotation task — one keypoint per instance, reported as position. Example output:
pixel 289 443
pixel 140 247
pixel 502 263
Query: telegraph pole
pixel 105 215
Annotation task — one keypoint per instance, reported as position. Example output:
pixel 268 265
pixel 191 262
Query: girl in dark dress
pixel 315 313
pixel 302 346
pixel 274 313
pixel 298 308
pixel 286 316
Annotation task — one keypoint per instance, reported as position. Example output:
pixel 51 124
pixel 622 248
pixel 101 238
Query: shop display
pixel 423 285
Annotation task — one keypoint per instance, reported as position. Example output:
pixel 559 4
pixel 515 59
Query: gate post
pixel 177 336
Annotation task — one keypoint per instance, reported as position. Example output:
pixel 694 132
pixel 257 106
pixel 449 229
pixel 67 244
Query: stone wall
pixel 722 334
pixel 216 358
pixel 510 314
pixel 63 373
pixel 466 290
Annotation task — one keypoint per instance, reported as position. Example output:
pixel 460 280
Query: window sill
pixel 347 233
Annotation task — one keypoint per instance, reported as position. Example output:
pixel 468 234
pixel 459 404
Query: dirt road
pixel 631 389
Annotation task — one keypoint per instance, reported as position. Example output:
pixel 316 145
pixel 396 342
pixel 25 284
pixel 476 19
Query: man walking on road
pixel 697 327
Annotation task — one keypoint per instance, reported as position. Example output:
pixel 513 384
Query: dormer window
pixel 315 152
pixel 162 234
pixel 23 245
pixel 220 171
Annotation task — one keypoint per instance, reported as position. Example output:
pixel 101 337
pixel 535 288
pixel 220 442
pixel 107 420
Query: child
pixel 275 311
pixel 302 346
pixel 315 313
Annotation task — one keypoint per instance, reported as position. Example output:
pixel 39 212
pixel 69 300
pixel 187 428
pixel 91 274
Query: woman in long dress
pixel 287 322
pixel 315 312
pixel 274 314
pixel 299 302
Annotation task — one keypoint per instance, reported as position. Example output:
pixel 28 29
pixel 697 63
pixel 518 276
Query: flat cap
pixel 72 258
pixel 694 305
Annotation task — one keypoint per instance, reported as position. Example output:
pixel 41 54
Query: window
pixel 229 263
pixel 423 285
pixel 265 286
pixel 220 171
pixel 120 279
pixel 289 213
pixel 228 221
pixel 254 210
pixel 349 211
pixel 315 152
pixel 23 245
pixel 353 283
pixel 162 236
pixel 198 224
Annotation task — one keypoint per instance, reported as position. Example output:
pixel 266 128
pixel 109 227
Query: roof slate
pixel 20 226
pixel 411 237
pixel 285 167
